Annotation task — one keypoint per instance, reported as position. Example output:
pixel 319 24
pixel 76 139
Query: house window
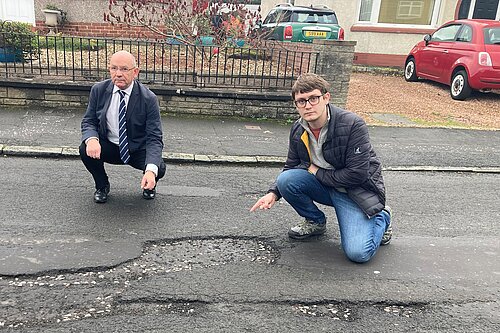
pixel 365 11
pixel 410 9
pixel 409 12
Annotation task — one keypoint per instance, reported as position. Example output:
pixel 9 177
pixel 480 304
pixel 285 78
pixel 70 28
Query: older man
pixel 122 126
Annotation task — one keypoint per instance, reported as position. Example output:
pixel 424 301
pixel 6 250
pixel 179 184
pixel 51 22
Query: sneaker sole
pixel 385 243
pixel 301 237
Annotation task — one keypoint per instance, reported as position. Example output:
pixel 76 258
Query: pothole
pixel 333 311
pixel 174 256
pixel 102 288
pixel 403 311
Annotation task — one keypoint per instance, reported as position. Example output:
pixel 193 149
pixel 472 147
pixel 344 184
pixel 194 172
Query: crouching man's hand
pixel 265 202
pixel 148 181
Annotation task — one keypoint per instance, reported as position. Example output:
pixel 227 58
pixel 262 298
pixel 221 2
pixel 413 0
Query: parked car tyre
pixel 460 88
pixel 410 70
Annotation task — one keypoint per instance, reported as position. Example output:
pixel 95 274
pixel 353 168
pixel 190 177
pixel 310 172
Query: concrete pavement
pixel 56 133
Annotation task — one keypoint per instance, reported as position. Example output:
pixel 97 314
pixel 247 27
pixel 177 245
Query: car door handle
pixel 445 51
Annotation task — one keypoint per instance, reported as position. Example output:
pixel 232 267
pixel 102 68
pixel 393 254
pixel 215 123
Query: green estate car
pixel 301 24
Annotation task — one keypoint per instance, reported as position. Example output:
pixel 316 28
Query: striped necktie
pixel 122 123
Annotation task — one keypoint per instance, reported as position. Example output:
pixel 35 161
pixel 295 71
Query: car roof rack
pixel 321 6
pixel 318 7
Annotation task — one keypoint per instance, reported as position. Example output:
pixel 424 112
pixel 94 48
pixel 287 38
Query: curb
pixel 72 152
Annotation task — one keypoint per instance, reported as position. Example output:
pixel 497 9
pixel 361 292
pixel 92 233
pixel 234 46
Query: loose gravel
pixel 423 103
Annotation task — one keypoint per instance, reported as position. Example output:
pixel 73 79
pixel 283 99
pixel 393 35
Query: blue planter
pixel 173 41
pixel 9 55
pixel 206 41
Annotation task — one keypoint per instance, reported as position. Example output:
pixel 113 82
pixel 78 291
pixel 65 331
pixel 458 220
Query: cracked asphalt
pixel 196 260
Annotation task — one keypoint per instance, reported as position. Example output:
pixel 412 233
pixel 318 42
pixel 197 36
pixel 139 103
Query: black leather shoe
pixel 149 194
pixel 101 195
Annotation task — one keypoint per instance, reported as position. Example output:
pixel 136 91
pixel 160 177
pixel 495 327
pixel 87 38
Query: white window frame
pixel 473 6
pixel 411 7
pixel 376 12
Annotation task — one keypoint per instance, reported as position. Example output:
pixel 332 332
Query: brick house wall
pixel 86 18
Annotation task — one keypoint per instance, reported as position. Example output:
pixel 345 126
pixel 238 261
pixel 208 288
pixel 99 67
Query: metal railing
pixel 81 59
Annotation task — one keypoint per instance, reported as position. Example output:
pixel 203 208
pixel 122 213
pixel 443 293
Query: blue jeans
pixel 360 236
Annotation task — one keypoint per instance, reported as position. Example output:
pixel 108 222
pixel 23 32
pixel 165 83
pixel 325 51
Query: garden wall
pixel 334 63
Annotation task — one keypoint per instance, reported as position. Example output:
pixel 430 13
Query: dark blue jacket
pixel 144 130
pixel 348 149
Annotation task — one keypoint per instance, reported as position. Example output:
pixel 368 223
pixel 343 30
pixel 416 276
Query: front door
pixel 486 9
pixel 19 11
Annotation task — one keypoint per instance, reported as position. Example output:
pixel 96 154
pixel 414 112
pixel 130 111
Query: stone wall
pixel 174 101
pixel 334 64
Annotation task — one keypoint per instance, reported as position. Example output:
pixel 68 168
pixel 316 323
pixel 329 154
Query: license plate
pixel 315 34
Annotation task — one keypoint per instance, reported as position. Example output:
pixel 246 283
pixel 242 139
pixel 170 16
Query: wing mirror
pixel 427 39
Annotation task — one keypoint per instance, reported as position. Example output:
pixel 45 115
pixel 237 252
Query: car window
pixel 299 17
pixel 465 34
pixel 316 17
pixel 286 16
pixel 271 17
pixel 446 34
pixel 492 35
pixel 329 18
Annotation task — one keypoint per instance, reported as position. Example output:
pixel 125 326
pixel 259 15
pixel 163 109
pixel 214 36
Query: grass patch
pixel 441 123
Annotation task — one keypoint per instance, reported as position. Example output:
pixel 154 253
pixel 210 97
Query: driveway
pixel 390 100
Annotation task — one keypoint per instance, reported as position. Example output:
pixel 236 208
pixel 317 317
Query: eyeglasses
pixel 313 100
pixel 114 69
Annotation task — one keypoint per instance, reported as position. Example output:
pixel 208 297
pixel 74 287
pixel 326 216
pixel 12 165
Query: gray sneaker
pixel 386 238
pixel 307 229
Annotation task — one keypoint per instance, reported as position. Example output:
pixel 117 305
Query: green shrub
pixel 18 38
pixel 70 43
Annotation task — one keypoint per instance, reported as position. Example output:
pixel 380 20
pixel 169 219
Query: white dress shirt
pixel 113 122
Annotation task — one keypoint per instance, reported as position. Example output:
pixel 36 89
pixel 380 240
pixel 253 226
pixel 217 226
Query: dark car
pixel 464 54
pixel 301 24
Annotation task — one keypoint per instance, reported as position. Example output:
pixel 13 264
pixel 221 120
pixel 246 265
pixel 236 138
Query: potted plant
pixel 17 41
pixel 54 17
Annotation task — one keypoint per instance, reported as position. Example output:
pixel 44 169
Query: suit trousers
pixel 110 153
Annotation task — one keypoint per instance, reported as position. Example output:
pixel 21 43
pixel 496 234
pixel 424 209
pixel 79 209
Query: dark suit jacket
pixel 144 130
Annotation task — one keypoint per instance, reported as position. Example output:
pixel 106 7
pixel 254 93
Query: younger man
pixel 331 161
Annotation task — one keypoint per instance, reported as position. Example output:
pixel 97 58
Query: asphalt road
pixel 196 260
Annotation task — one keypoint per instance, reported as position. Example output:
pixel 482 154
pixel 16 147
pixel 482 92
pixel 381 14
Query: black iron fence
pixel 61 58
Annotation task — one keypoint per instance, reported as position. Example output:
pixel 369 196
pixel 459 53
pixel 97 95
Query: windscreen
pixel 314 17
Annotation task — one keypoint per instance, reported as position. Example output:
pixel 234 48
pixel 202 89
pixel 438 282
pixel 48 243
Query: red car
pixel 464 54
